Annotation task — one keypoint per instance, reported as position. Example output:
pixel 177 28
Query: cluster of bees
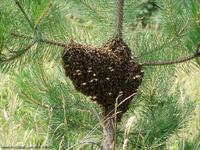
pixel 105 74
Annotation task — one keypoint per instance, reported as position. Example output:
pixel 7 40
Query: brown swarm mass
pixel 106 74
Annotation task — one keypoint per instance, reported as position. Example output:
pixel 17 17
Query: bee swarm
pixel 105 74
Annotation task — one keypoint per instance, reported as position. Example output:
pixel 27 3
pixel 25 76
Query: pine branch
pixel 25 14
pixel 89 7
pixel 22 52
pixel 181 60
pixel 7 62
pixel 42 40
pixel 167 43
pixel 119 18
pixel 44 14
pixel 31 100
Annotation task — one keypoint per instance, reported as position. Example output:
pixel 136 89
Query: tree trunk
pixel 109 134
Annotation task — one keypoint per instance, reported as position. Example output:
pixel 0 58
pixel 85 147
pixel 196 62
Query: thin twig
pixel 44 14
pixel 25 14
pixel 46 41
pixel 181 60
pixel 104 119
pixel 179 34
pixel 88 6
pixel 115 123
pixel 35 102
pixel 26 49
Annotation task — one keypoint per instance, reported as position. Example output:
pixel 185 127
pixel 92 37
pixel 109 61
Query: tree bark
pixel 119 17
pixel 109 134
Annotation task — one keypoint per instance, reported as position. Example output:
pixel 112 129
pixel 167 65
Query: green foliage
pixel 66 112
pixel 16 124
pixel 160 116
pixel 72 120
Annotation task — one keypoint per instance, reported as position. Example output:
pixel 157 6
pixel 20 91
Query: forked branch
pixel 162 63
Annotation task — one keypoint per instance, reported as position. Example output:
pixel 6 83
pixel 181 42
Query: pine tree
pixel 33 35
